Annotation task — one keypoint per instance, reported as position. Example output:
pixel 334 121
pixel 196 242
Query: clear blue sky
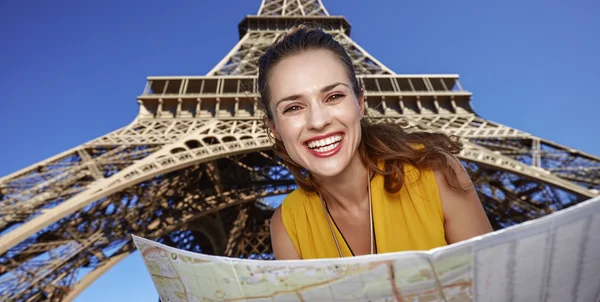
pixel 71 69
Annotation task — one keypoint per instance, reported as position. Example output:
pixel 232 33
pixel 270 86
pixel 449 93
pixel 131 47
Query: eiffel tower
pixel 195 170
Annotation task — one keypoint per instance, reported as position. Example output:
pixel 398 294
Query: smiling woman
pixel 363 188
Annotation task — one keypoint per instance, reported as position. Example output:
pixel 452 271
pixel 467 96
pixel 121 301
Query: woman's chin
pixel 327 170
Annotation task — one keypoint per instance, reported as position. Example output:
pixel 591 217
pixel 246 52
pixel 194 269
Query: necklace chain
pixel 329 218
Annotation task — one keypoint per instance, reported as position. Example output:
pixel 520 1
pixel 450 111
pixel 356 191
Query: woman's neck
pixel 347 190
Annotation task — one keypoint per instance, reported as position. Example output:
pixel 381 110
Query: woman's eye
pixel 335 97
pixel 291 109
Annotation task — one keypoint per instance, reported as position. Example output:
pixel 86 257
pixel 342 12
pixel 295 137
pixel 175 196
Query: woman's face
pixel 315 112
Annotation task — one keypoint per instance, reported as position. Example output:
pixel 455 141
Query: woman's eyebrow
pixel 297 96
pixel 330 87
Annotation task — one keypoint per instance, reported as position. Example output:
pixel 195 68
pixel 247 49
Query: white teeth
pixel 326 148
pixel 325 144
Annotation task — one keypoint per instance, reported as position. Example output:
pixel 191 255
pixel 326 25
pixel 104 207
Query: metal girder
pixel 237 231
pixel 255 239
pixel 190 149
pixel 49 272
pixel 176 207
pixel 575 169
pixel 86 281
pixel 215 177
pixel 480 155
pixel 243 57
pixel 569 164
pixel 206 235
pixel 292 8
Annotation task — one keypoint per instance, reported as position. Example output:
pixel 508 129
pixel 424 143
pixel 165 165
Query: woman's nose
pixel 318 117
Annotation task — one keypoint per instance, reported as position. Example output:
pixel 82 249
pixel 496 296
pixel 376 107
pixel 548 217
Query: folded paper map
pixel 553 258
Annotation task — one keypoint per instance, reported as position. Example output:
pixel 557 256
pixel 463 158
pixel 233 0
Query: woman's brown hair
pixel 387 142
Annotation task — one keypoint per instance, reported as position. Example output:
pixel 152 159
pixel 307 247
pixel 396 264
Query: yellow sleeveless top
pixel 411 219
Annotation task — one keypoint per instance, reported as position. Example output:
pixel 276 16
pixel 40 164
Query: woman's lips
pixel 325 146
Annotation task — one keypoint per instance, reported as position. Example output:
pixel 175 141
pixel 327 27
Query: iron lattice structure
pixel 193 168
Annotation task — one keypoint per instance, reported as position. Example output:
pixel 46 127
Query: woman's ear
pixel 274 130
pixel 361 103
pixel 271 125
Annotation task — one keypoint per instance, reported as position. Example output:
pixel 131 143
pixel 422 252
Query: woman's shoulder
pixel 283 232
pixel 295 200
pixel 285 213
pixel 291 212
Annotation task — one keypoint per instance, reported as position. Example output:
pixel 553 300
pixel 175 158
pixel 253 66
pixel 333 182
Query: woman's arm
pixel 282 244
pixel 464 216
